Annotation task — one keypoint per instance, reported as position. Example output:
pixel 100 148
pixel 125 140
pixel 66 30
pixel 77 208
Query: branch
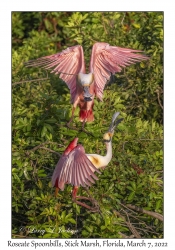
pixel 141 210
pixel 141 222
pixel 158 97
pixel 124 145
pixel 104 26
pixel 132 228
pixel 123 18
pixel 22 236
pixel 128 223
pixel 127 208
pixel 124 236
pixel 50 150
pixel 41 146
pixel 35 148
pixel 35 80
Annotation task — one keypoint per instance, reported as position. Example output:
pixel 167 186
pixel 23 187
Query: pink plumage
pixel 105 60
pixel 74 168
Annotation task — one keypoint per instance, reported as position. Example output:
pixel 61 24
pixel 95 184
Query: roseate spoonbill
pixel 77 168
pixel 105 60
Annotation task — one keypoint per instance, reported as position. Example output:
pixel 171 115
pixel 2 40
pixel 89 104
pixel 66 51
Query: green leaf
pixel 72 221
pixel 103 227
pixel 133 184
pixel 16 177
pixel 85 233
pixel 51 120
pixel 131 196
pixel 136 25
pixel 26 174
pixel 158 204
pixel 43 131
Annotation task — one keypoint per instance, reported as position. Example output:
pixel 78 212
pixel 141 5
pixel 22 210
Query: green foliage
pixel 41 108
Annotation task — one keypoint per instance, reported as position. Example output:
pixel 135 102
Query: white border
pixel 5 95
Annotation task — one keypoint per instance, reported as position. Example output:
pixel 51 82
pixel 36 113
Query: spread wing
pixel 75 169
pixel 106 59
pixel 67 63
pixel 56 174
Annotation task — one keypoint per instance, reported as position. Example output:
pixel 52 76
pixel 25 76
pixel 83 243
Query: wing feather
pixel 67 63
pixel 106 59
pixel 58 169
pixel 74 168
pixel 83 169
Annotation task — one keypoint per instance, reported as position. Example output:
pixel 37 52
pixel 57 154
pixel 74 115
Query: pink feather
pixel 74 168
pixel 105 59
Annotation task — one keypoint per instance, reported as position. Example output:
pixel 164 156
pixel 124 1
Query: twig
pixel 142 222
pixel 127 208
pixel 136 97
pixel 123 18
pixel 41 146
pixel 18 235
pixel 124 236
pixel 146 231
pixel 124 144
pixel 34 169
pixel 104 27
pixel 141 210
pixel 35 80
pixel 50 150
pixel 158 97
pixel 22 236
pixel 131 227
pixel 94 202
pixel 35 148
